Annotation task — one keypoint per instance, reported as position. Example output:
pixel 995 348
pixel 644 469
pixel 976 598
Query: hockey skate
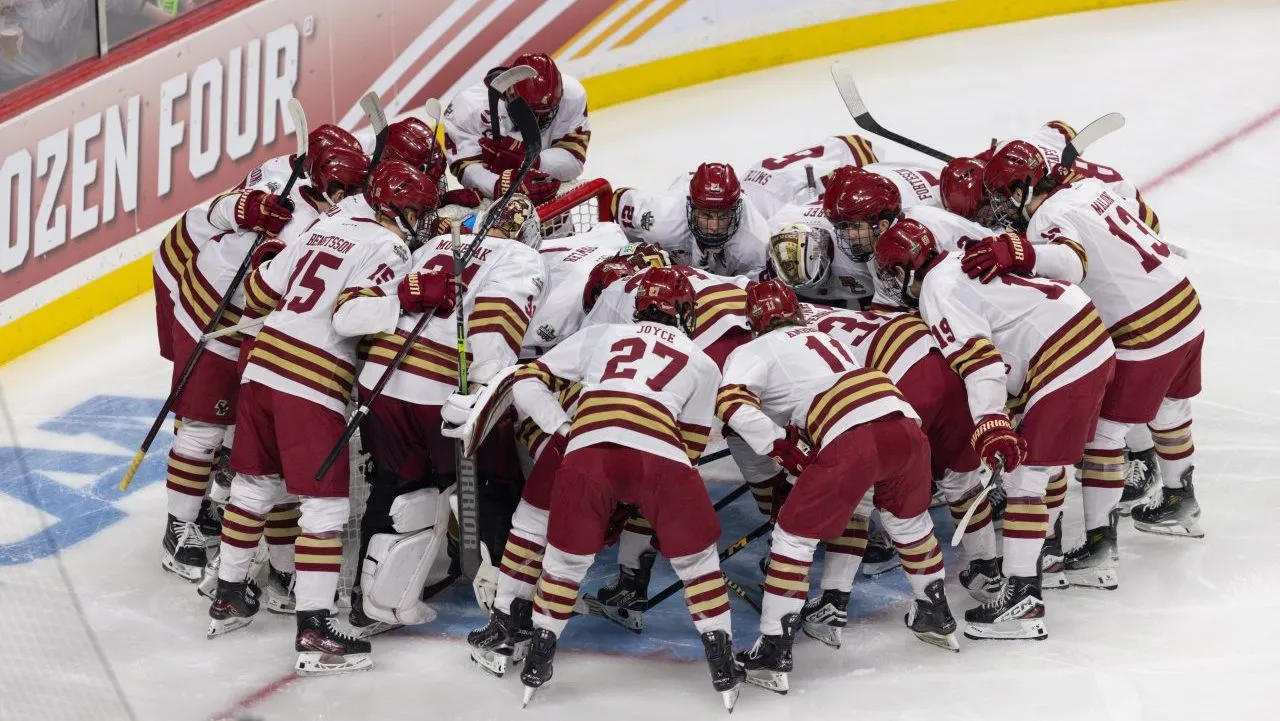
pixel 278 594
pixel 234 607
pixel 1093 564
pixel 625 600
pixel 1176 513
pixel 184 549
pixel 824 617
pixel 1052 563
pixel 880 556
pixel 983 579
pixel 931 621
pixel 325 649
pixel 1016 614
pixel 504 641
pixel 363 625
pixel 768 662
pixel 210 522
pixel 1140 477
pixel 538 665
pixel 726 676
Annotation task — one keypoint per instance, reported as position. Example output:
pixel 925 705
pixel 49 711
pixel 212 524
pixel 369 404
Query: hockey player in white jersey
pixel 802 254
pixel 1081 231
pixel 797 396
pixel 711 225
pixel 320 295
pixel 1036 347
pixel 642 420
pixel 797 178
pixel 862 203
pixel 488 164
pixel 567 264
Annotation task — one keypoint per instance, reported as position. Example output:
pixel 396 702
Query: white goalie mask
pixel 801 255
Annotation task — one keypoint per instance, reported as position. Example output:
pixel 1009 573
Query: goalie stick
pixel 300 160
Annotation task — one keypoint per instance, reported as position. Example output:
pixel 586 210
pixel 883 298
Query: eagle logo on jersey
pixel 221 408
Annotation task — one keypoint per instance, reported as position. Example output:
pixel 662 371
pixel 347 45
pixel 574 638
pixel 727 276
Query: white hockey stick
pixel 988 478
pixel 1092 133
pixel 242 325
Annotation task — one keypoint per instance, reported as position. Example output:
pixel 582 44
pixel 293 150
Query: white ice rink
pixel 1188 635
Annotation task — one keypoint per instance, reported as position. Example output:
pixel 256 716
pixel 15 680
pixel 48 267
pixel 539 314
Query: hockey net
pixel 577 209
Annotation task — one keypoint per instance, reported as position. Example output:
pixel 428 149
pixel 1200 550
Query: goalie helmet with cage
pixel 404 193
pixel 715 204
pixel 664 295
pixel 801 255
pixel 772 303
pixel 903 254
pixel 338 173
pixel 518 220
pixel 1013 175
pixel 860 205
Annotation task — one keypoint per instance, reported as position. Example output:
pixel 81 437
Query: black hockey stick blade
pixel 531 137
pixel 371 104
pixel 500 82
pixel 1092 133
pixel 728 552
pixel 848 89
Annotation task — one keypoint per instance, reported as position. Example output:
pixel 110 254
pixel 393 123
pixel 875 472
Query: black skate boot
pixel 234 607
pixel 983 579
pixel 1094 563
pixel 1017 613
pixel 625 600
pixel 880 556
pixel 824 617
pixel 324 649
pixel 538 665
pixel 504 641
pixel 361 623
pixel 768 662
pixel 998 500
pixel 931 620
pixel 209 519
pixel 184 549
pixel 726 675
pixel 1140 477
pixel 1177 513
pixel 278 595
pixel 1053 571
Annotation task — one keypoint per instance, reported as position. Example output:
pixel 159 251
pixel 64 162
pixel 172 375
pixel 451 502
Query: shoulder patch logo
pixel 646 221
pixel 546 332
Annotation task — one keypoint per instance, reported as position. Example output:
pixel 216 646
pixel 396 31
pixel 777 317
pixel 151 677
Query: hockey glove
pixel 265 251
pixel 995 441
pixel 791 452
pixel 262 212
pixel 996 255
pixel 502 154
pixel 426 289
pixel 466 197
pixel 539 186
pixel 455 413
pixel 485 584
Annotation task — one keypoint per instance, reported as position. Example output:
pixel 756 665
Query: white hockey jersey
pixel 663 219
pixel 503 283
pixel 848 280
pixel 775 182
pixel 801 376
pixel 567 262
pixel 720 304
pixel 1087 234
pixel 323 292
pixel 645 386
pixel 564 142
pixel 888 341
pixel 917 184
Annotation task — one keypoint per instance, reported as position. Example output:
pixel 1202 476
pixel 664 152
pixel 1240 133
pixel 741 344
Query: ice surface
pixel 1186 636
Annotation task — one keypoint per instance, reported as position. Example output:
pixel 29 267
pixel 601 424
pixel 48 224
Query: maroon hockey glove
pixel 427 289
pixel 265 251
pixel 781 489
pixel 466 197
pixel 996 255
pixel 995 441
pixel 791 452
pixel 262 212
pixel 502 154
pixel 539 186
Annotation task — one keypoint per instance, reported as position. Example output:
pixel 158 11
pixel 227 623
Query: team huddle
pixel 866 337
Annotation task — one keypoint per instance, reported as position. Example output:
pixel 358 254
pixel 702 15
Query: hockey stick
pixel 300 159
pixel 848 89
pixel 989 480
pixel 232 330
pixel 372 106
pixel 499 84
pixel 731 550
pixel 1092 133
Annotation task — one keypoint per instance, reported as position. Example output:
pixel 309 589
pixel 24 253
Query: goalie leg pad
pixel 396 564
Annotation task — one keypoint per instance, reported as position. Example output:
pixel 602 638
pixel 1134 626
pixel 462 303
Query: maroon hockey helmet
pixel 855 202
pixel 329 136
pixel 397 189
pixel 647 255
pixel 715 204
pixel 336 169
pixel 772 303
pixel 602 275
pixel 664 295
pixel 410 141
pixel 962 187
pixel 544 92
pixel 902 252
pixel 1016 168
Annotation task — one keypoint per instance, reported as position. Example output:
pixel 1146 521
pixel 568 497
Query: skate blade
pixel 181 570
pixel 315 663
pixel 223 626
pixel 1103 579
pixel 947 641
pixel 1054 579
pixel 633 621
pixel 529 691
pixel 1030 629
pixel 871 570
pixel 775 681
pixel 494 662
pixel 1185 530
pixel 828 635
pixel 373 629
pixel 730 698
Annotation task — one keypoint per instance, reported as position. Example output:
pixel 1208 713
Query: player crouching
pixel 864 434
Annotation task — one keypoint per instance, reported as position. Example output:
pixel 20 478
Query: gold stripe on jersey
pixel 201 300
pixel 977 353
pixel 214 203
pixel 731 397
pixel 1075 247
pixel 352 293
pixel 1162 319
pixel 1074 341
pixel 536 371
pixel 599 409
pixel 613 206
pixel 459 166
pixel 303 363
pixel 427 359
pixel 1063 127
pixel 575 143
pixel 501 316
pixel 695 439
pixel 853 390
pixel 860 147
pixel 893 339
pixel 177 247
pixel 717 301
pixel 259 298
pixel 1147 214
